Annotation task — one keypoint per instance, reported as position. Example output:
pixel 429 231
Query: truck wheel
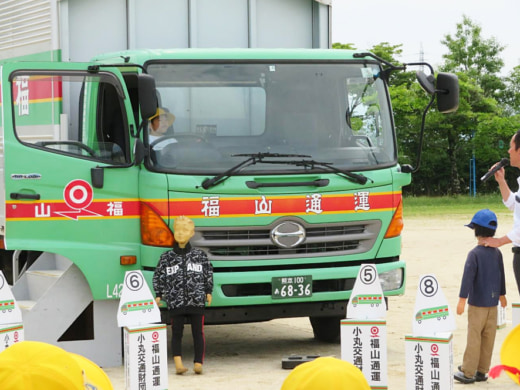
pixel 326 329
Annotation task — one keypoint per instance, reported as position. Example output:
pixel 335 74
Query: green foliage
pixel 487 117
pixel 474 55
pixel 388 52
pixel 343 46
pixel 477 128
pixel 511 94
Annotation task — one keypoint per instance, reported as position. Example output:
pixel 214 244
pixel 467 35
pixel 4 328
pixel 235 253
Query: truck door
pixel 70 182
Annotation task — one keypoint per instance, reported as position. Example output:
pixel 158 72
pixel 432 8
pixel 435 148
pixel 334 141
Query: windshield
pixel 332 112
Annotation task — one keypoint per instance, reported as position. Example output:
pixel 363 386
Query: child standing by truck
pixel 483 286
pixel 184 279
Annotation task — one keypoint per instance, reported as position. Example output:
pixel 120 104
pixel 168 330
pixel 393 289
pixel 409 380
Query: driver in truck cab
pixel 159 124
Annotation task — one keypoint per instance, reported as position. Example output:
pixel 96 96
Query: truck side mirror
pixel 427 83
pixel 447 92
pixel 147 95
pixel 138 151
pixel 446 87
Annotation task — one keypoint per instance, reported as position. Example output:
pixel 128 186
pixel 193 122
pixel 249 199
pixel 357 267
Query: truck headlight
pixel 391 280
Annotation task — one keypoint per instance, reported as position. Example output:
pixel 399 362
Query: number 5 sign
pixel 368 274
pixel 367 300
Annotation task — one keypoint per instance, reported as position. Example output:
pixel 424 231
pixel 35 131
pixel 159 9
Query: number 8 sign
pixel 431 313
pixel 428 286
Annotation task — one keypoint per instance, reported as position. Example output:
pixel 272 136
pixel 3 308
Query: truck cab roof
pixel 144 55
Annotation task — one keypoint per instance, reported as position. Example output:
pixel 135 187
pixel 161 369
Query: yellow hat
pixel 33 365
pixel 509 357
pixel 170 118
pixel 326 373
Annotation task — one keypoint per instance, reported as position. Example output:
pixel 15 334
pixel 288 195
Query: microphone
pixel 503 163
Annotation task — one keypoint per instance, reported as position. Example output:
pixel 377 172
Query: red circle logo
pixel 78 194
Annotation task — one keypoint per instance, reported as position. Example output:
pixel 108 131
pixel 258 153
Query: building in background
pixel 77 30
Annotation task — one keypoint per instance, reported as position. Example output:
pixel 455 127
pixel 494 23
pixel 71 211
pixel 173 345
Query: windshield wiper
pixel 259 158
pixel 361 179
pixel 252 160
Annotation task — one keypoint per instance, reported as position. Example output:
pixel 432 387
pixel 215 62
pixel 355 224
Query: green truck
pixel 286 160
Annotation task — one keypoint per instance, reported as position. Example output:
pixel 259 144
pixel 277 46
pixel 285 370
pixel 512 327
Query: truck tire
pixel 326 329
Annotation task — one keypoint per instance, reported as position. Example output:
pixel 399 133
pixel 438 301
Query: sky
pixel 420 25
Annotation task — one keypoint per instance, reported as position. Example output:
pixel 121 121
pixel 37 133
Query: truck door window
pixel 75 114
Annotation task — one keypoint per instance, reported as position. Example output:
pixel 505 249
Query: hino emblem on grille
pixel 288 234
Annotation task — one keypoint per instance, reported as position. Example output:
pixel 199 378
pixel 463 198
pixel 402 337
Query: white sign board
pixel 501 316
pixel 429 362
pixel 146 358
pixel 364 344
pixel 367 300
pixel 10 334
pixel 516 314
pixel 10 313
pixel 432 312
pixel 137 305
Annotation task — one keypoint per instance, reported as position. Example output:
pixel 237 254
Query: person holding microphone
pixel 512 201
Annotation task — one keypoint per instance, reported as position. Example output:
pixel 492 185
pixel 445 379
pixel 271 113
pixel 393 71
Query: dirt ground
pixel 248 356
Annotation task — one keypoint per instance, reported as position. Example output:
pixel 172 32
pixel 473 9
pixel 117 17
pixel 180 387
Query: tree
pixel 391 53
pixel 388 52
pixel 343 46
pixel 511 94
pixel 477 62
pixel 482 126
pixel 475 56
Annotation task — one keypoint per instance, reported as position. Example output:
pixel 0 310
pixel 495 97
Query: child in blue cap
pixel 483 286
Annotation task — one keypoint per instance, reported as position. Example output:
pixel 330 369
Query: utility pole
pixel 472 169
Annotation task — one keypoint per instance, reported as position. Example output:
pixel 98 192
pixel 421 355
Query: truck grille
pixel 243 243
